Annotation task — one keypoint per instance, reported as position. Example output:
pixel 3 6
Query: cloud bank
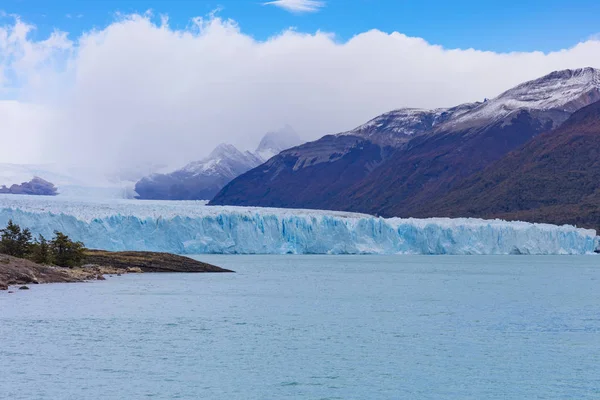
pixel 140 92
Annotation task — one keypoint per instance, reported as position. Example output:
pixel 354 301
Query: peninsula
pixel 16 271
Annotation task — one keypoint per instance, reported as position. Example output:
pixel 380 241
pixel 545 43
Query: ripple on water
pixel 313 328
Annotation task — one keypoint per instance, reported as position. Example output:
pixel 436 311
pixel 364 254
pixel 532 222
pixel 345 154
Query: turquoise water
pixel 313 327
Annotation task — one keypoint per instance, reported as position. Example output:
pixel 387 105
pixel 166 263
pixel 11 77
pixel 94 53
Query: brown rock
pixel 24 288
pixel 18 271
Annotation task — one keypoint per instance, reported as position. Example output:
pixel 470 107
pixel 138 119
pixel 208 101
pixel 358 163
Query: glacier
pixel 189 227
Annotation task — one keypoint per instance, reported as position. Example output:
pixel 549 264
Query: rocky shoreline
pixel 19 272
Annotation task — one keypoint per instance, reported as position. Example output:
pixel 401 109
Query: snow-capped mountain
pixel 399 162
pixel 198 180
pixel 397 127
pixel 550 100
pixel 225 160
pixel 201 180
pixel 274 142
pixel 559 94
pixel 555 177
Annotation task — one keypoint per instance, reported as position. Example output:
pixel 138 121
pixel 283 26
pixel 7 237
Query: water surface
pixel 313 327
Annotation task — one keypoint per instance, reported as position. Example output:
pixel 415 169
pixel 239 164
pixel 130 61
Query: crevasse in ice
pixel 193 228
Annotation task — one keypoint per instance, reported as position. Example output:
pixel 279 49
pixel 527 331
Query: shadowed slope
pixel 553 178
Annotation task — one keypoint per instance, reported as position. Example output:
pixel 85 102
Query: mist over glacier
pixel 193 228
pixel 212 81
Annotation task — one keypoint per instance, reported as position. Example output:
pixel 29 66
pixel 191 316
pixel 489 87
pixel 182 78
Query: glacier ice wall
pixel 192 228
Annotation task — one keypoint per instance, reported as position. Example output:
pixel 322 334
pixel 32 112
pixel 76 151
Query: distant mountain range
pixel 419 163
pixel 201 180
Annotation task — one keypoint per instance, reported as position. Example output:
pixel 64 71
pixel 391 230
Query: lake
pixel 313 327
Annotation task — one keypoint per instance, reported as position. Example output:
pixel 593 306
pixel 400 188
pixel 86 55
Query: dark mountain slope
pixel 399 163
pixel 429 166
pixel 310 175
pixel 553 178
pixel 313 179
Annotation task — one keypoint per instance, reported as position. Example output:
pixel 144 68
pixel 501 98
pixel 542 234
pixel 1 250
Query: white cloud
pixel 22 126
pixel 139 91
pixel 298 6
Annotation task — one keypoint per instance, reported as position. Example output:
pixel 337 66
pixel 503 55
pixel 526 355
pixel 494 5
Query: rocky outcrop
pixel 18 271
pixel 146 261
pixel 35 187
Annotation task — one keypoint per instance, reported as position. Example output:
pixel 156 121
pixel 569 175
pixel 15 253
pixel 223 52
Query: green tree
pixel 65 252
pixel 14 241
pixel 41 251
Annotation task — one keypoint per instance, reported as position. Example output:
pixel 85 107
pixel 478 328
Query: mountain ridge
pixel 555 177
pixel 398 163
pixel 201 180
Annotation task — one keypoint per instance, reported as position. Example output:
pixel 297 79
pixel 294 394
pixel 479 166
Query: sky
pixel 127 83
pixel 501 26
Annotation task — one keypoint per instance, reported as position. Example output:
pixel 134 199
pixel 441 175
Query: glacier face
pixel 189 227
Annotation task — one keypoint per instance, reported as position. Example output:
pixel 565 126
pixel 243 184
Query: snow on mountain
pixel 201 180
pixel 198 180
pixel 551 98
pixel 275 142
pixel 225 160
pixel 560 91
pixel 399 162
pixel 557 94
pixel 399 126
pixel 190 228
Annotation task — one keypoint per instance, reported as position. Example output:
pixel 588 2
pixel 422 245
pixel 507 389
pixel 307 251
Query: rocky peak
pixel 276 141
pixel 557 90
pixel 555 95
pixel 224 150
pixel 399 126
